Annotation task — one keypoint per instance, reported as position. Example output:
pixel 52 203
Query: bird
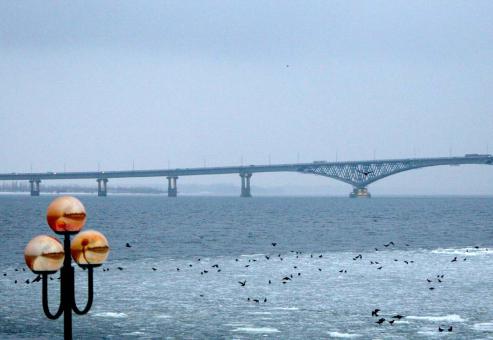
pixel 120 268
pixel 398 317
pixel 154 269
pixel 286 278
pixel 380 267
pixel 36 279
pixel 267 257
pixel 319 269
pixel 215 266
pixel 177 269
pixel 449 329
pixel 428 280
pixel 440 329
pixel 375 312
pixel 391 322
pixel 27 281
pixel 320 256
pixel 454 259
pixel 205 271
pixel 256 300
pixel 366 173
pixel 380 321
pixel 274 244
pixel 128 245
pixel 242 283
pixel 431 288
pixel 270 281
pixel 265 299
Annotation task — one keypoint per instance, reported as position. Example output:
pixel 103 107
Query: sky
pixel 157 84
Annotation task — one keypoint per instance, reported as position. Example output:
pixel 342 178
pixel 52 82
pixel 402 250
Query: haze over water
pixel 236 235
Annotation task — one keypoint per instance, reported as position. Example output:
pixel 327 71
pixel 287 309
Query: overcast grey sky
pixel 153 82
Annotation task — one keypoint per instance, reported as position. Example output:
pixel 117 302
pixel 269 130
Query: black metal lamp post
pixel 45 255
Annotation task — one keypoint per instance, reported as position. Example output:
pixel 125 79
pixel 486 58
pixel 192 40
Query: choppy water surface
pixel 217 242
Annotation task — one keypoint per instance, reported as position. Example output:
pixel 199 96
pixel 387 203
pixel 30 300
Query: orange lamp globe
pixel 89 248
pixel 44 254
pixel 66 214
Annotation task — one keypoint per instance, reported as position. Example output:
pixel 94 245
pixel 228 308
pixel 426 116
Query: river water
pixel 202 247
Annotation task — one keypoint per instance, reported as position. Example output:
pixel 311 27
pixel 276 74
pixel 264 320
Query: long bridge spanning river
pixel 359 174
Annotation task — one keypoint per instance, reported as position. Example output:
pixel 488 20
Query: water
pixel 236 234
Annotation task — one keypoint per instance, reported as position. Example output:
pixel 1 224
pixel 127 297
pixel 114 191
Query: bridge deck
pixel 295 167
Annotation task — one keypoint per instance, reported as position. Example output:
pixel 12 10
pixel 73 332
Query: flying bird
pixel 365 172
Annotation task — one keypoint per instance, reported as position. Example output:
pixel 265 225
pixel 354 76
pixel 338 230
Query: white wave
pixel 256 330
pixel 252 255
pixel 468 251
pixel 163 316
pixel 429 333
pixel 260 313
pixel 237 324
pixel 343 335
pixel 134 333
pixel 400 322
pixel 484 326
pixel 449 318
pixel 285 308
pixel 111 315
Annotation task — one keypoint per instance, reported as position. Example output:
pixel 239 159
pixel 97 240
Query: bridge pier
pixel 245 185
pixel 172 187
pixel 360 193
pixel 102 189
pixel 34 186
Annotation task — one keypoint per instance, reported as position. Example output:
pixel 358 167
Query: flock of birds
pixel 288 278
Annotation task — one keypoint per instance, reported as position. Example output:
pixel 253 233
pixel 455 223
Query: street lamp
pixel 45 255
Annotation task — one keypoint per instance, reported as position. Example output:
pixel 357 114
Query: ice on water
pixel 317 303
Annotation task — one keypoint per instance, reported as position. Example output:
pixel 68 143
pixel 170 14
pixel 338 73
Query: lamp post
pixel 45 255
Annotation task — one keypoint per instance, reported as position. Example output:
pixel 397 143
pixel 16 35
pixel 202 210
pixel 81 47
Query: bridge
pixel 359 174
